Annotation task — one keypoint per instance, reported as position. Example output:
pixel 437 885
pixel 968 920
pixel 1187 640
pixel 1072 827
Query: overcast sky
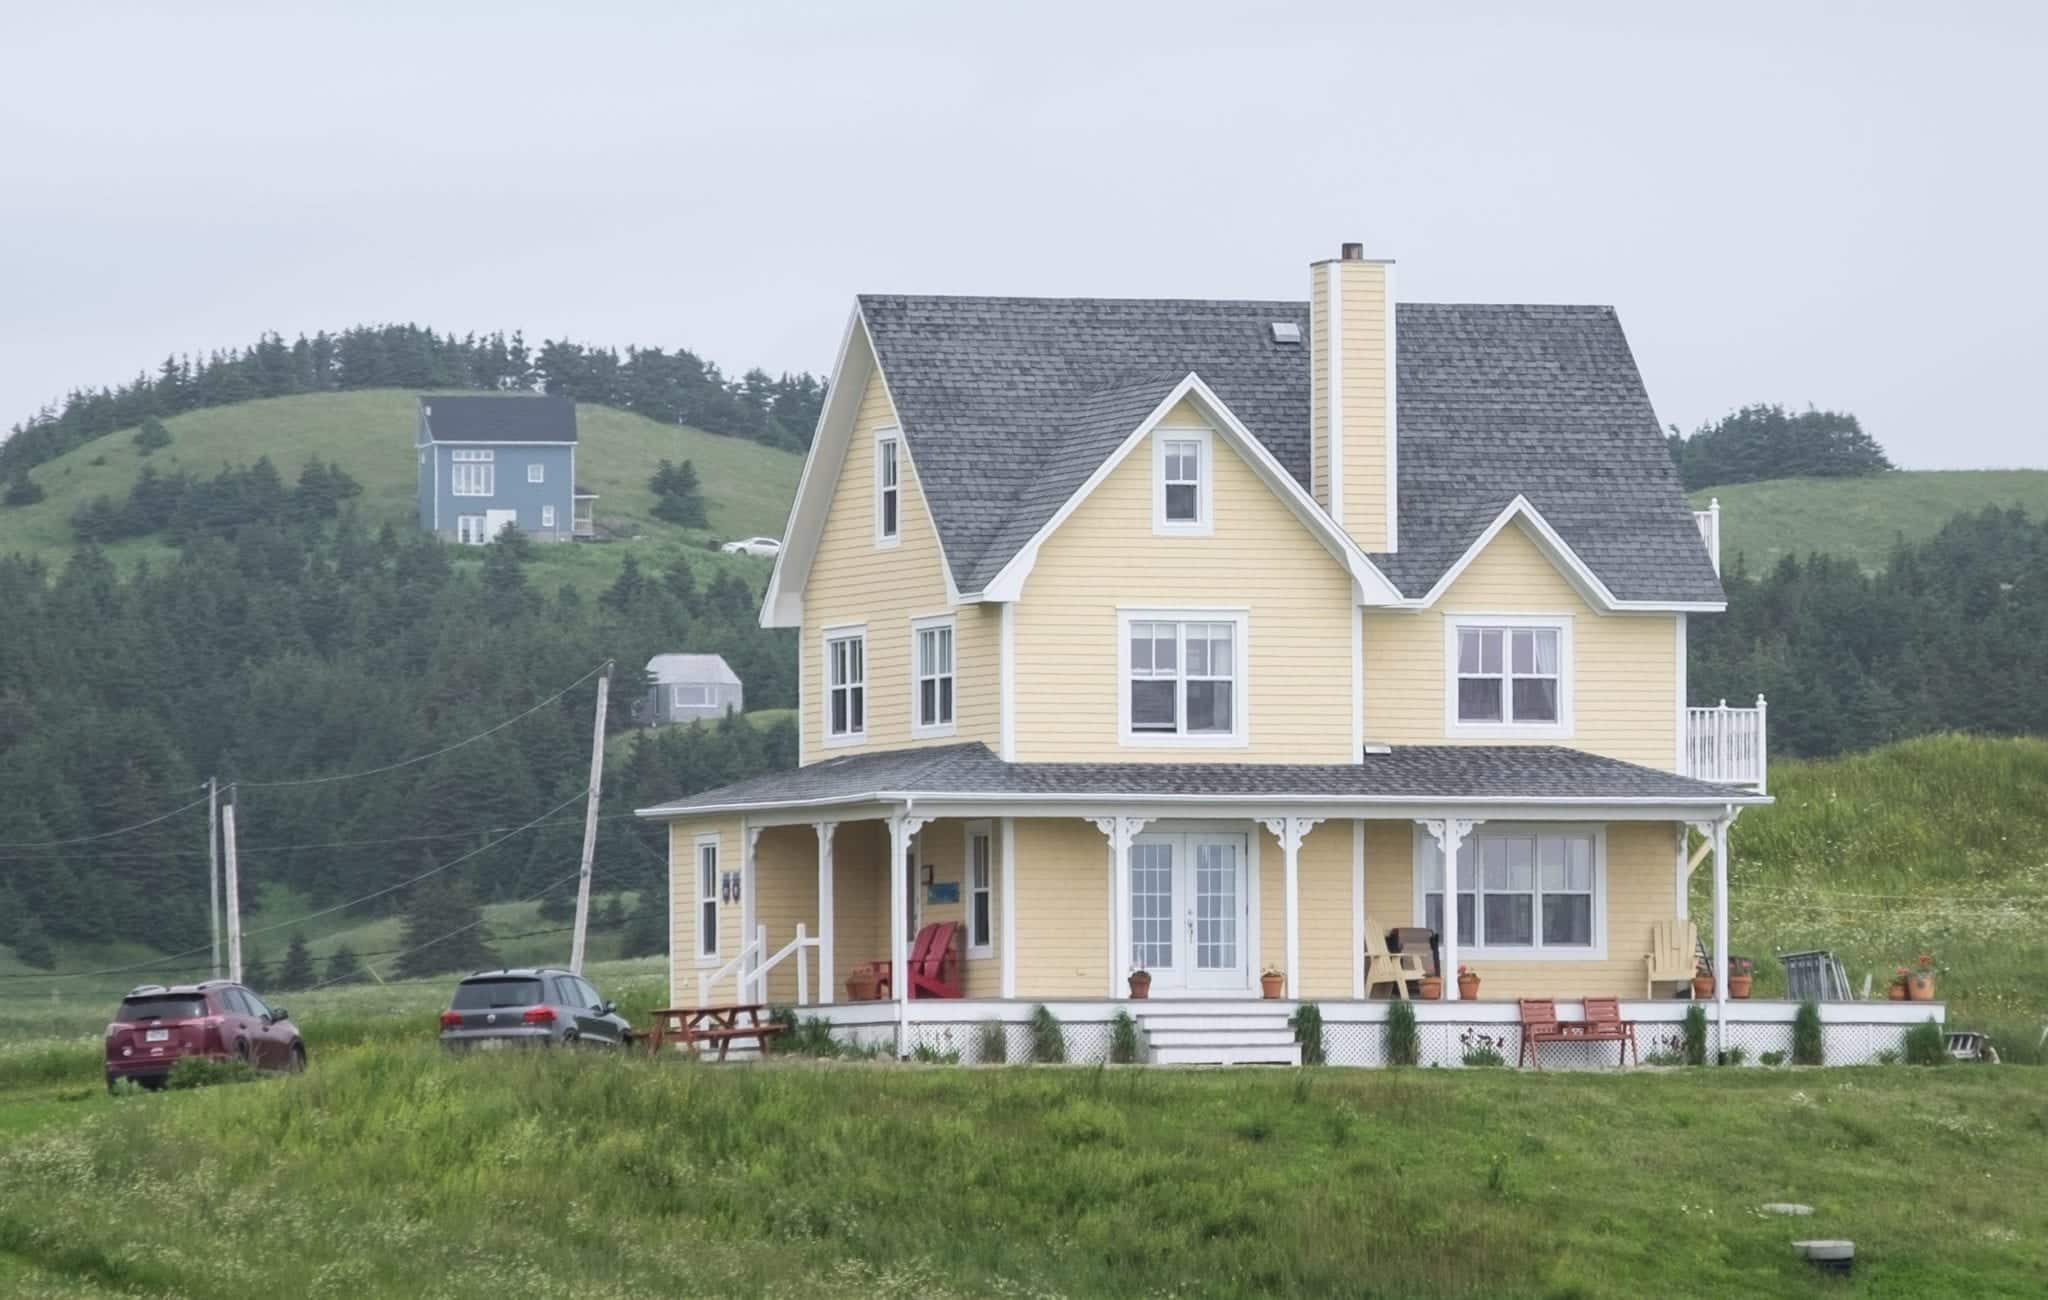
pixel 1785 204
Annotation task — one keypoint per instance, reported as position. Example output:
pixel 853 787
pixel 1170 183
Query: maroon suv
pixel 157 1027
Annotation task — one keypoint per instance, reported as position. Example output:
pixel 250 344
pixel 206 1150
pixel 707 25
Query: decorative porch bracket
pixel 901 830
pixel 1450 834
pixel 1291 831
pixel 1120 832
pixel 825 926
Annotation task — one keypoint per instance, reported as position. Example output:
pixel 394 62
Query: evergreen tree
pixel 152 436
pixel 297 971
pixel 343 965
pixel 32 945
pixel 256 971
pixel 646 932
pixel 683 501
pixel 22 490
pixel 444 931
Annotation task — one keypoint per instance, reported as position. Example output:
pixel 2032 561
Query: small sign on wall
pixel 942 891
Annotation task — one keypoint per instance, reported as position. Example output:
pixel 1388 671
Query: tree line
pixel 296 647
pixel 675 387
pixel 1766 441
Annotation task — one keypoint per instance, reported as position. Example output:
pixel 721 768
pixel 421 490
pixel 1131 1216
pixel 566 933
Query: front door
pixel 1189 912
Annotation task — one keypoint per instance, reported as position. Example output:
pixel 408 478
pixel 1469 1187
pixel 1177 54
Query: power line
pixel 107 835
pixel 460 929
pixel 137 855
pixel 421 758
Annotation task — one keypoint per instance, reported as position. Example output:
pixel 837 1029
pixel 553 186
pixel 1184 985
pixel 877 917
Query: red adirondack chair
pixel 933 969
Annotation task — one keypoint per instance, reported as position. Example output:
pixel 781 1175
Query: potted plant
pixel 1896 990
pixel 1702 980
pixel 1141 983
pixel 1272 981
pixel 1740 970
pixel 1431 987
pixel 1468 983
pixel 861 985
pixel 1920 980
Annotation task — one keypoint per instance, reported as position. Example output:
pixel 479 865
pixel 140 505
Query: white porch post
pixel 825 928
pixel 1450 834
pixel 1358 910
pixel 750 925
pixel 1720 935
pixel 1290 831
pixel 1007 919
pixel 1120 831
pixel 901 829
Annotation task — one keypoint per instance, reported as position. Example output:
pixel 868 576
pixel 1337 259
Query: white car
pixel 767 546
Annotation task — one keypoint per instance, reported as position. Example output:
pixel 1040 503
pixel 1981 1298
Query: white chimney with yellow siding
pixel 1351 382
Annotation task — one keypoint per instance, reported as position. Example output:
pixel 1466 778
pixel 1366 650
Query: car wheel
pixel 243 1053
pixel 570 1039
pixel 297 1062
pixel 153 1082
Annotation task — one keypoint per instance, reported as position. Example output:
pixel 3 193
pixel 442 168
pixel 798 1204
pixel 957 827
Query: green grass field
pixel 1937 845
pixel 1859 518
pixel 369 433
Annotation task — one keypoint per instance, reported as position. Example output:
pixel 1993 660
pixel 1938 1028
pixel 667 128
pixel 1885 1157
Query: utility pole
pixel 213 867
pixel 227 826
pixel 604 686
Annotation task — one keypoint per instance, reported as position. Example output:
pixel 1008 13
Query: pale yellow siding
pixel 684 964
pixel 1062 919
pixel 1625 693
pixel 942 846
pixel 1260 558
pixel 786 895
pixel 1363 365
pixel 853 581
pixel 860 899
pixel 1324 874
pixel 1639 888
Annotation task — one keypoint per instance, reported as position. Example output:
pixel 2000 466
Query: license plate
pixel 157 1036
pixel 490 1044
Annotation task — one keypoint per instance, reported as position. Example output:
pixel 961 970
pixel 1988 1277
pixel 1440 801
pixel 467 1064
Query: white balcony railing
pixel 1709 524
pixel 1726 745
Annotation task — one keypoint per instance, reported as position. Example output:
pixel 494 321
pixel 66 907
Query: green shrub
pixel 926 1054
pixel 992 1043
pixel 1307 1023
pixel 204 1072
pixel 1404 1040
pixel 1048 1040
pixel 1771 1058
pixel 152 435
pixel 811 1038
pixel 1123 1039
pixel 1483 1049
pixel 1734 1055
pixel 1806 1036
pixel 1926 1044
pixel 1695 1035
pixel 1888 1056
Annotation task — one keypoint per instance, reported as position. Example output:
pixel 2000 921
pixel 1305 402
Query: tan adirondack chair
pixel 1674 946
pixel 1384 966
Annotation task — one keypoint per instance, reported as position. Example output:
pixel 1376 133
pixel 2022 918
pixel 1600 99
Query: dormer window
pixel 1180 481
pixel 888 489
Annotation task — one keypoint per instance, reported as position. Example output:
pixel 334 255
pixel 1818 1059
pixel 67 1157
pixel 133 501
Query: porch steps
pixel 1209 1035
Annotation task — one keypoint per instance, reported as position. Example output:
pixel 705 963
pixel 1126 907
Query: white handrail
pixel 1728 745
pixel 796 947
pixel 738 962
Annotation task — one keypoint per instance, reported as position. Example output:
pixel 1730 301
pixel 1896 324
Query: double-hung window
pixel 472 472
pixel 846 686
pixel 981 894
pixel 1183 679
pixel 547 516
pixel 932 661
pixel 1508 676
pixel 1180 486
pixel 888 489
pixel 1518 889
pixel 707 897
pixel 536 473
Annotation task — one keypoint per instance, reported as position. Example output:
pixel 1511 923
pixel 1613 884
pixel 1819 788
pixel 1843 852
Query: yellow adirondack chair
pixel 1674 945
pixel 1383 966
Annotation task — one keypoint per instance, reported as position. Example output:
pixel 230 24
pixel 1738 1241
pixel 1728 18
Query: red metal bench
pixel 933 970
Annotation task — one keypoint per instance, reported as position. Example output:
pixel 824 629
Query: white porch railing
pixel 752 969
pixel 1726 745
pixel 1709 523
pixel 738 965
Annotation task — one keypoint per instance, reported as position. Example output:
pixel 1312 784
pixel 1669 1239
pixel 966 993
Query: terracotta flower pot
pixel 1896 992
pixel 1432 988
pixel 1468 987
pixel 1738 986
pixel 1141 984
pixel 1920 986
pixel 1703 986
pixel 1272 985
pixel 860 988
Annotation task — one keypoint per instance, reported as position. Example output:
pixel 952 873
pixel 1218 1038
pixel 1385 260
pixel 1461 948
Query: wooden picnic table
pixel 719 1025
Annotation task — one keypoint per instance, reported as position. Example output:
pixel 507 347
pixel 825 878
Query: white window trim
pixel 918 729
pixel 1240 736
pixel 698 898
pixel 892 437
pixel 547 516
pixel 482 467
pixel 1471 950
pixel 536 473
pixel 676 700
pixel 827 636
pixel 1204 523
pixel 985 830
pixel 1558 730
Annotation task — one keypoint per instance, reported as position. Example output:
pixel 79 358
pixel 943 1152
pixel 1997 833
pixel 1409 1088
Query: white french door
pixel 1188 911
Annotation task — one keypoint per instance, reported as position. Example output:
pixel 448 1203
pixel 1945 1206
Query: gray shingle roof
pixel 499 419
pixel 1009 404
pixel 1407 773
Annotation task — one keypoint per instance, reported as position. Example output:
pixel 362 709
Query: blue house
pixel 486 462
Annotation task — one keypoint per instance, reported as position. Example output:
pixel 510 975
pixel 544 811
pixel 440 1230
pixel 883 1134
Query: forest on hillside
pixel 300 649
pixel 1765 441
pixel 677 387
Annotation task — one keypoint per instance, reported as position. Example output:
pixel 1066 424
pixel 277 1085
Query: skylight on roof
pixel 1286 331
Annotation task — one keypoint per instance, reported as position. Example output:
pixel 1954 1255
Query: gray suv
pixel 538 1007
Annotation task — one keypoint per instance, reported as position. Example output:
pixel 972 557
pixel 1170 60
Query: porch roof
pixel 1403 774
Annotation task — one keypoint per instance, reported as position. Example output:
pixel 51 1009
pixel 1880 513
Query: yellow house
pixel 1192 638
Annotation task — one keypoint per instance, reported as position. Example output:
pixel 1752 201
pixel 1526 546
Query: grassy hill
pixel 1937 845
pixel 369 433
pixel 1859 518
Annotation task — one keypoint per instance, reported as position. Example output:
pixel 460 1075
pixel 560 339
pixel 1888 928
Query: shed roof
pixel 664 669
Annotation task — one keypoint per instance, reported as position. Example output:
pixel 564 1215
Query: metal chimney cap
pixel 1351 253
